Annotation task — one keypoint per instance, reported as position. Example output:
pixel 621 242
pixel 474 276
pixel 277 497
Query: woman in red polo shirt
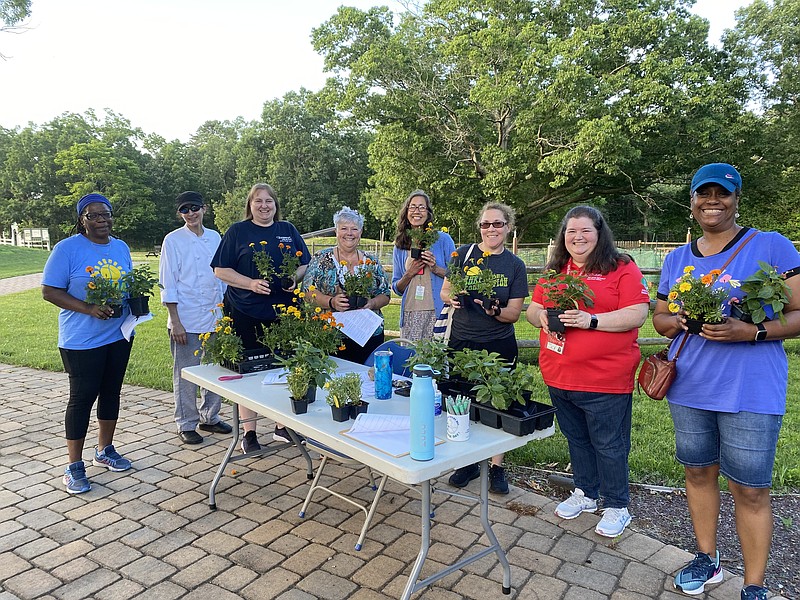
pixel 590 368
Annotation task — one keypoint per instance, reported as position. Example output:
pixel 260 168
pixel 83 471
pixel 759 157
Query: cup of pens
pixel 457 418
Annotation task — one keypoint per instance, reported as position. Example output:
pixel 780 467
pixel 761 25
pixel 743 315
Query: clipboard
pixel 393 445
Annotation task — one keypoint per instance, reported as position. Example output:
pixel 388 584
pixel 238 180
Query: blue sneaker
pixel 692 579
pixel 75 478
pixel 754 592
pixel 110 459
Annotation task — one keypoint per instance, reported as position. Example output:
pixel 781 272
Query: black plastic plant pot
pixel 694 326
pixel 738 313
pixel 490 417
pixel 311 394
pixel 357 410
pixel 140 305
pixel 453 387
pixel 356 302
pixel 340 414
pixel 116 311
pixel 299 407
pixel 258 359
pixel 553 322
pixel 416 253
pixel 287 283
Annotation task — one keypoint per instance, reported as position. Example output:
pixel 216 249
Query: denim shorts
pixel 743 443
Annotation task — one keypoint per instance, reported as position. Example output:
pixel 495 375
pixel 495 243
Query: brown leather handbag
pixel 658 372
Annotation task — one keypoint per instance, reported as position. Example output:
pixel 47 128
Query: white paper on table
pixel 275 376
pixel 387 433
pixel 358 325
pixel 371 423
pixel 130 322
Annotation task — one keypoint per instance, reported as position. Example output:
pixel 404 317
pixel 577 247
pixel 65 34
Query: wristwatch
pixel 761 334
pixel 593 322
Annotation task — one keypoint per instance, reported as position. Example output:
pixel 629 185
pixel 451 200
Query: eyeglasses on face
pixel 495 224
pixel 184 210
pixel 101 215
pixel 421 208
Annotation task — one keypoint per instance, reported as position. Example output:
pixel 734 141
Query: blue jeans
pixel 598 429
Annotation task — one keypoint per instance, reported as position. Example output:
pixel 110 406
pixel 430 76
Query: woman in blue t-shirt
pixel 250 300
pixel 94 351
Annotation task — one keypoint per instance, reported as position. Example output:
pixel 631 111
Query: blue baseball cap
pixel 721 173
pixel 91 199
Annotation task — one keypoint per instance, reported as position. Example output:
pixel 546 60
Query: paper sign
pixel 358 325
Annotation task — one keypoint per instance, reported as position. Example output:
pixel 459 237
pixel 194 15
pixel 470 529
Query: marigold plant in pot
pixel 102 290
pixel 289 265
pixel 422 238
pixel 561 292
pixel 223 346
pixel 700 297
pixel 359 284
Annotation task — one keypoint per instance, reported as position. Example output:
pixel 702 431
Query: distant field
pixel 21 261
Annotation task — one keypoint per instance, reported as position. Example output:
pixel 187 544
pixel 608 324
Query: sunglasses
pixel 495 224
pixel 101 215
pixel 184 210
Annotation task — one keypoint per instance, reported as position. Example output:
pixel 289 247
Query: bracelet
pixel 330 302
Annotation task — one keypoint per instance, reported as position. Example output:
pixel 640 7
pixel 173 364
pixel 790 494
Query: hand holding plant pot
pixel 562 292
pixel 422 238
pixel 700 298
pixel 764 288
pixel 288 266
pixel 103 291
pixel 139 283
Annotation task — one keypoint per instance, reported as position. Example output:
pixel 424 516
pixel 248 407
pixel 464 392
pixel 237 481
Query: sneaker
pixel 75 478
pixel 754 592
pixel 281 435
pixel 576 504
pixel 461 477
pixel 250 442
pixel 110 459
pixel 692 579
pixel 614 522
pixel 497 480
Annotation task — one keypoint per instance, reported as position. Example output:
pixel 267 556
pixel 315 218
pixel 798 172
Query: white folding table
pixel 272 401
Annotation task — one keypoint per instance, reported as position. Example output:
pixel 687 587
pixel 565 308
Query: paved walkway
pixel 148 533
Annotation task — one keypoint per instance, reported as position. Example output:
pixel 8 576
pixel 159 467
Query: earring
pixel 691 216
pixel 736 214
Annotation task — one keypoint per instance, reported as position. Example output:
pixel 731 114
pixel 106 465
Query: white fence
pixel 26 237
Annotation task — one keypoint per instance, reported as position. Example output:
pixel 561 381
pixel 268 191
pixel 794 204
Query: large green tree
pixel 537 103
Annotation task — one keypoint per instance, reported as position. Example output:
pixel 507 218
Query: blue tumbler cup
pixel 383 374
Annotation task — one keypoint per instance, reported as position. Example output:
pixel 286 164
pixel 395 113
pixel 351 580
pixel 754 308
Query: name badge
pixel 556 342
pixel 420 293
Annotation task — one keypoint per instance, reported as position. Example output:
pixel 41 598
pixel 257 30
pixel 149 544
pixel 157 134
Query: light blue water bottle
pixel 421 411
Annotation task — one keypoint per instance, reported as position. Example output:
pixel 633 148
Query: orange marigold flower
pixel 454 254
pixel 89 269
pixel 715 272
pixel 298 253
pixel 280 245
pixel 707 280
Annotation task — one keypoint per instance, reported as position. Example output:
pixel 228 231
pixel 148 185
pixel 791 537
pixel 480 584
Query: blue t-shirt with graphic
pixel 66 268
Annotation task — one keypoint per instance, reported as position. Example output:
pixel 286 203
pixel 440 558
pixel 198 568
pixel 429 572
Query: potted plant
pixel 263 261
pixel 358 285
pixel 429 352
pixel 103 290
pixel 298 381
pixel 422 238
pixel 764 288
pixel 699 297
pixel 139 283
pixel 288 266
pixel 483 282
pixel 310 362
pixel 561 292
pixel 344 396
pixel 457 277
pixel 222 346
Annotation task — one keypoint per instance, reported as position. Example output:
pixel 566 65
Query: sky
pixel 170 65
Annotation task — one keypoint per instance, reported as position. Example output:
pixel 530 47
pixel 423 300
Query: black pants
pixel 247 327
pixel 94 374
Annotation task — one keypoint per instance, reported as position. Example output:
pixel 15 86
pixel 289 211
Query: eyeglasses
pixel 495 224
pixel 101 215
pixel 422 208
pixel 184 210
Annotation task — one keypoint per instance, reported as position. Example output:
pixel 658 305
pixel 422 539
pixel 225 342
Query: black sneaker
pixel 461 477
pixel 250 442
pixel 281 435
pixel 497 480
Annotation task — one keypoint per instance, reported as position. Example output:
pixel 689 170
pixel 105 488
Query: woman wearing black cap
pixel 728 400
pixel 94 352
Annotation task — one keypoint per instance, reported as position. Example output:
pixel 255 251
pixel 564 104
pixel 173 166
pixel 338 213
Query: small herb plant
pixel 223 345
pixel 361 281
pixel 139 281
pixel 565 291
pixel 298 380
pixel 263 261
pixel 699 297
pixel 429 352
pixel 423 237
pixel 765 287
pixel 316 364
pixel 290 262
pixel 101 290
pixel 344 390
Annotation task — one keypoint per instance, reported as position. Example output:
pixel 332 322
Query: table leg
pixel 487 527
pixel 303 452
pixel 212 502
pixel 425 512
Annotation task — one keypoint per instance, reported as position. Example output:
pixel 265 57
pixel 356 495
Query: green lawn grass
pixel 28 337
pixel 21 261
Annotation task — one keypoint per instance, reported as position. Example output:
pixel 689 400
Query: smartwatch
pixel 593 322
pixel 761 334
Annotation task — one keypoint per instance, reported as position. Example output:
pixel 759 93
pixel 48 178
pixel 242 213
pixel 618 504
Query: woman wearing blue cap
pixel 94 352
pixel 728 402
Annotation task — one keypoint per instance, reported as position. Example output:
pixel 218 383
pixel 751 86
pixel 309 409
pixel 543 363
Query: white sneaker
pixel 576 504
pixel 614 522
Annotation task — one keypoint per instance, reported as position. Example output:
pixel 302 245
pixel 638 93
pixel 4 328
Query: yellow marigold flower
pixel 91 285
pixel 218 328
pixel 317 309
pixel 281 305
pixel 197 352
pixel 313 296
pixel 343 263
pixel 688 269
pixel 263 243
pixel 445 230
pixel 672 295
pixel 200 337
pixel 252 245
pixel 685 286
pixel 228 330
pixel 480 261
pixel 486 254
pixel 673 308
pixel 312 287
pixel 302 294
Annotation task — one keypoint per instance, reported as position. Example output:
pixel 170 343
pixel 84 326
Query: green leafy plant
pixel 298 379
pixel 316 365
pixel 303 320
pixel 480 277
pixel 139 281
pixel 344 390
pixel 429 352
pixel 565 291
pixel 424 237
pixel 765 287
pixel 698 296
pixel 456 276
pixel 263 261
pixel 290 262
pixel 361 281
pixel 222 345
pixel 101 290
